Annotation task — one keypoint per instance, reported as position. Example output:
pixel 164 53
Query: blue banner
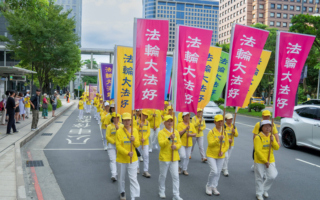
pixel 168 76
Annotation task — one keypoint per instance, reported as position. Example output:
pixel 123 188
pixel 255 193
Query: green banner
pixel 221 77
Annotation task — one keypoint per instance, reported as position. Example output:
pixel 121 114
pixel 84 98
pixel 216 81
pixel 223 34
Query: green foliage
pixel 225 47
pixel 257 107
pixel 89 79
pixel 59 103
pixel 220 101
pixel 302 96
pixel 80 92
pixel 88 64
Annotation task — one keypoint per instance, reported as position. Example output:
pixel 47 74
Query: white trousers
pixel 95 112
pixel 3 118
pixel 132 172
pixel 271 174
pixel 27 112
pixel 215 170
pixel 88 108
pixel 198 140
pixel 173 167
pixel 104 132
pixel 145 154
pixel 112 156
pixel 80 114
pixel 153 138
pixel 184 153
pixel 226 159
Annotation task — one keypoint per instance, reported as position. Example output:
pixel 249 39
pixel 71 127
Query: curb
pixel 20 184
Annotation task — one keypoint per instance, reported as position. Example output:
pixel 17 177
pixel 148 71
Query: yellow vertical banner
pixel 262 65
pixel 209 76
pixel 123 79
pixel 100 82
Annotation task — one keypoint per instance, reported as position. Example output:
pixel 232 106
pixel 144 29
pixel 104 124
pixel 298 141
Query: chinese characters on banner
pixel 221 77
pixel 151 39
pixel 246 47
pixel 191 53
pixel 123 79
pixel 291 53
pixel 209 76
pixel 106 74
pixel 262 65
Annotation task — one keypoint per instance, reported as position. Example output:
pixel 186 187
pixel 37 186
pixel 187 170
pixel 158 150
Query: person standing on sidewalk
pixel 155 121
pixel 27 105
pixel 199 124
pixel 35 103
pixel 44 106
pixel 67 96
pixel 17 111
pixel 54 102
pixel 11 106
pixel 3 109
pixel 21 106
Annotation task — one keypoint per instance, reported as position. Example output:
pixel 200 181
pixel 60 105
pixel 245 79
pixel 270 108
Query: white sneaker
pixel 162 195
pixel 177 198
pixel 225 172
pixel 259 197
pixel 150 150
pixel 141 159
pixel 208 190
pixel 265 194
pixel 106 148
pixel 138 171
pixel 215 191
pixel 252 168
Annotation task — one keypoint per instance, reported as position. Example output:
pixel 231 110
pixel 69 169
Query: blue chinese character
pixel 223 61
pixel 127 70
pixel 216 84
pixel 210 57
pixel 126 81
pixel 218 77
pixel 208 69
pixel 213 92
pixel 125 92
pixel 203 88
pixel 127 58
pixel 124 103
pixel 201 98
pixel 257 71
pixel 204 78
pixel 259 61
pixel 221 69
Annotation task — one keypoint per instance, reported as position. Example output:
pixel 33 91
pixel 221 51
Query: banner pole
pixel 173 116
pixel 234 125
pixel 224 113
pixel 131 136
pixel 142 128
pixel 270 140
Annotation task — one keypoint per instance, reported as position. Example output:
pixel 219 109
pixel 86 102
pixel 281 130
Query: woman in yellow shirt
pixel 214 155
pixel 170 112
pixel 123 143
pixel 143 127
pixel 232 132
pixel 166 162
pixel 136 117
pixel 199 124
pixel 107 120
pixel 88 105
pixel 104 114
pixel 80 107
pixel 187 132
pixel 155 121
pixel 261 163
pixel 111 143
pixel 95 104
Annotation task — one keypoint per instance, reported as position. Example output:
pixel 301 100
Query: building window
pixel 272 14
pixel 311 1
pixel 244 17
pixel 240 11
pixel 273 5
pixel 260 15
pixel 254 16
pixel 291 7
pixel 297 8
pixel 279 6
pixel 304 8
pixel 290 16
pixel 292 0
pixel 260 6
pixel 310 9
pixel 285 16
pixel 278 24
pixel 244 9
pixel 285 7
pixel 271 23
pixel 278 15
pixel 254 7
pixel 284 24
pixel 317 10
pixel 298 1
pixel 290 24
pixel 241 3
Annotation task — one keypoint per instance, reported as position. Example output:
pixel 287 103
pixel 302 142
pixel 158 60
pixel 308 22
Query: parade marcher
pixel 27 104
pixel 261 164
pixel 111 140
pixel 95 105
pixel 107 120
pixel 232 132
pixel 166 162
pixel 266 114
pixel 214 155
pixel 155 121
pixel 124 140
pixel 99 110
pixel 164 112
pixel 80 107
pixel 88 105
pixel 187 132
pixel 105 113
pixel 170 112
pixel 136 117
pixel 199 124
pixel 180 117
pixel 144 133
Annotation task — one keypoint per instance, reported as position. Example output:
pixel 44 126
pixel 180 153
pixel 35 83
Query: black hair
pixel 38 90
pixel 260 129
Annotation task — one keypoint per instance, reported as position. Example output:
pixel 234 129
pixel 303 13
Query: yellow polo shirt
pixel 261 148
pixel 123 145
pixel 229 132
pixel 192 130
pixel 196 123
pixel 111 133
pixel 214 144
pixel 154 121
pixel 165 154
pixel 80 105
pixel 145 130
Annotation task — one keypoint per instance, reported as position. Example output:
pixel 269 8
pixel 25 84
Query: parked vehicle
pixel 257 100
pixel 211 110
pixel 303 129
pixel 312 102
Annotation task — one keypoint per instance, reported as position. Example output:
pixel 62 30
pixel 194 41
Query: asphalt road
pixel 82 170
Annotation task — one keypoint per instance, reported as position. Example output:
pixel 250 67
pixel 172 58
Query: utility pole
pixel 318 85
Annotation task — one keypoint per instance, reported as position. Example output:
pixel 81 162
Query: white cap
pixel 264 122
pixel 138 109
pixel 184 113
pixel 106 103
pixel 28 90
pixel 112 105
pixel 229 116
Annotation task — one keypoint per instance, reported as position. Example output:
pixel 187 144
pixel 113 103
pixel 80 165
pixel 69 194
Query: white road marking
pixel 67 149
pixel 307 162
pixel 236 123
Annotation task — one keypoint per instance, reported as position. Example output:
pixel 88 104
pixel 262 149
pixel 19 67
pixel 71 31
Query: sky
pixel 108 22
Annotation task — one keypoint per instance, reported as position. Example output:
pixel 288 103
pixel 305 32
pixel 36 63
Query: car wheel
pixel 288 138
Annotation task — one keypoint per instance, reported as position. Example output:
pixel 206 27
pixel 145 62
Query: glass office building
pixel 197 13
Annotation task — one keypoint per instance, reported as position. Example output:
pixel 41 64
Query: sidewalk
pixel 11 175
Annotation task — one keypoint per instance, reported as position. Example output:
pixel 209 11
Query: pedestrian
pixel 170 143
pixel 136 118
pixel 144 133
pixel 21 106
pixel 232 132
pixel 11 107
pixel 105 113
pixel 164 112
pixel 3 109
pixel 180 118
pixel 95 106
pixel 27 104
pixel 263 165
pixel 67 96
pixel 218 145
pixel 17 111
pixel 187 132
pixel 88 105
pixel 199 124
pixel 111 143
pixel 155 121
pixel 100 110
pixel 44 106
pixel 126 143
pixel 107 120
pixel 170 112
pixel 54 102
pixel 266 115
pixel 35 103
pixel 80 107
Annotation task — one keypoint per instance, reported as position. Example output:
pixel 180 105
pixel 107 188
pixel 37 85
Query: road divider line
pixel 68 149
pixel 307 162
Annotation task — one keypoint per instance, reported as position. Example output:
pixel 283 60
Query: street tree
pixel 88 64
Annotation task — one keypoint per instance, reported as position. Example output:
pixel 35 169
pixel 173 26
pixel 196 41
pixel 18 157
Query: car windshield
pixel 211 104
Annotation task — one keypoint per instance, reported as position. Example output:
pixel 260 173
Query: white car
pixel 211 110
pixel 303 129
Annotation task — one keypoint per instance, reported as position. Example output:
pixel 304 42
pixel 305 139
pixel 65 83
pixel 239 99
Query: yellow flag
pixel 209 76
pixel 123 79
pixel 264 59
pixel 100 83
